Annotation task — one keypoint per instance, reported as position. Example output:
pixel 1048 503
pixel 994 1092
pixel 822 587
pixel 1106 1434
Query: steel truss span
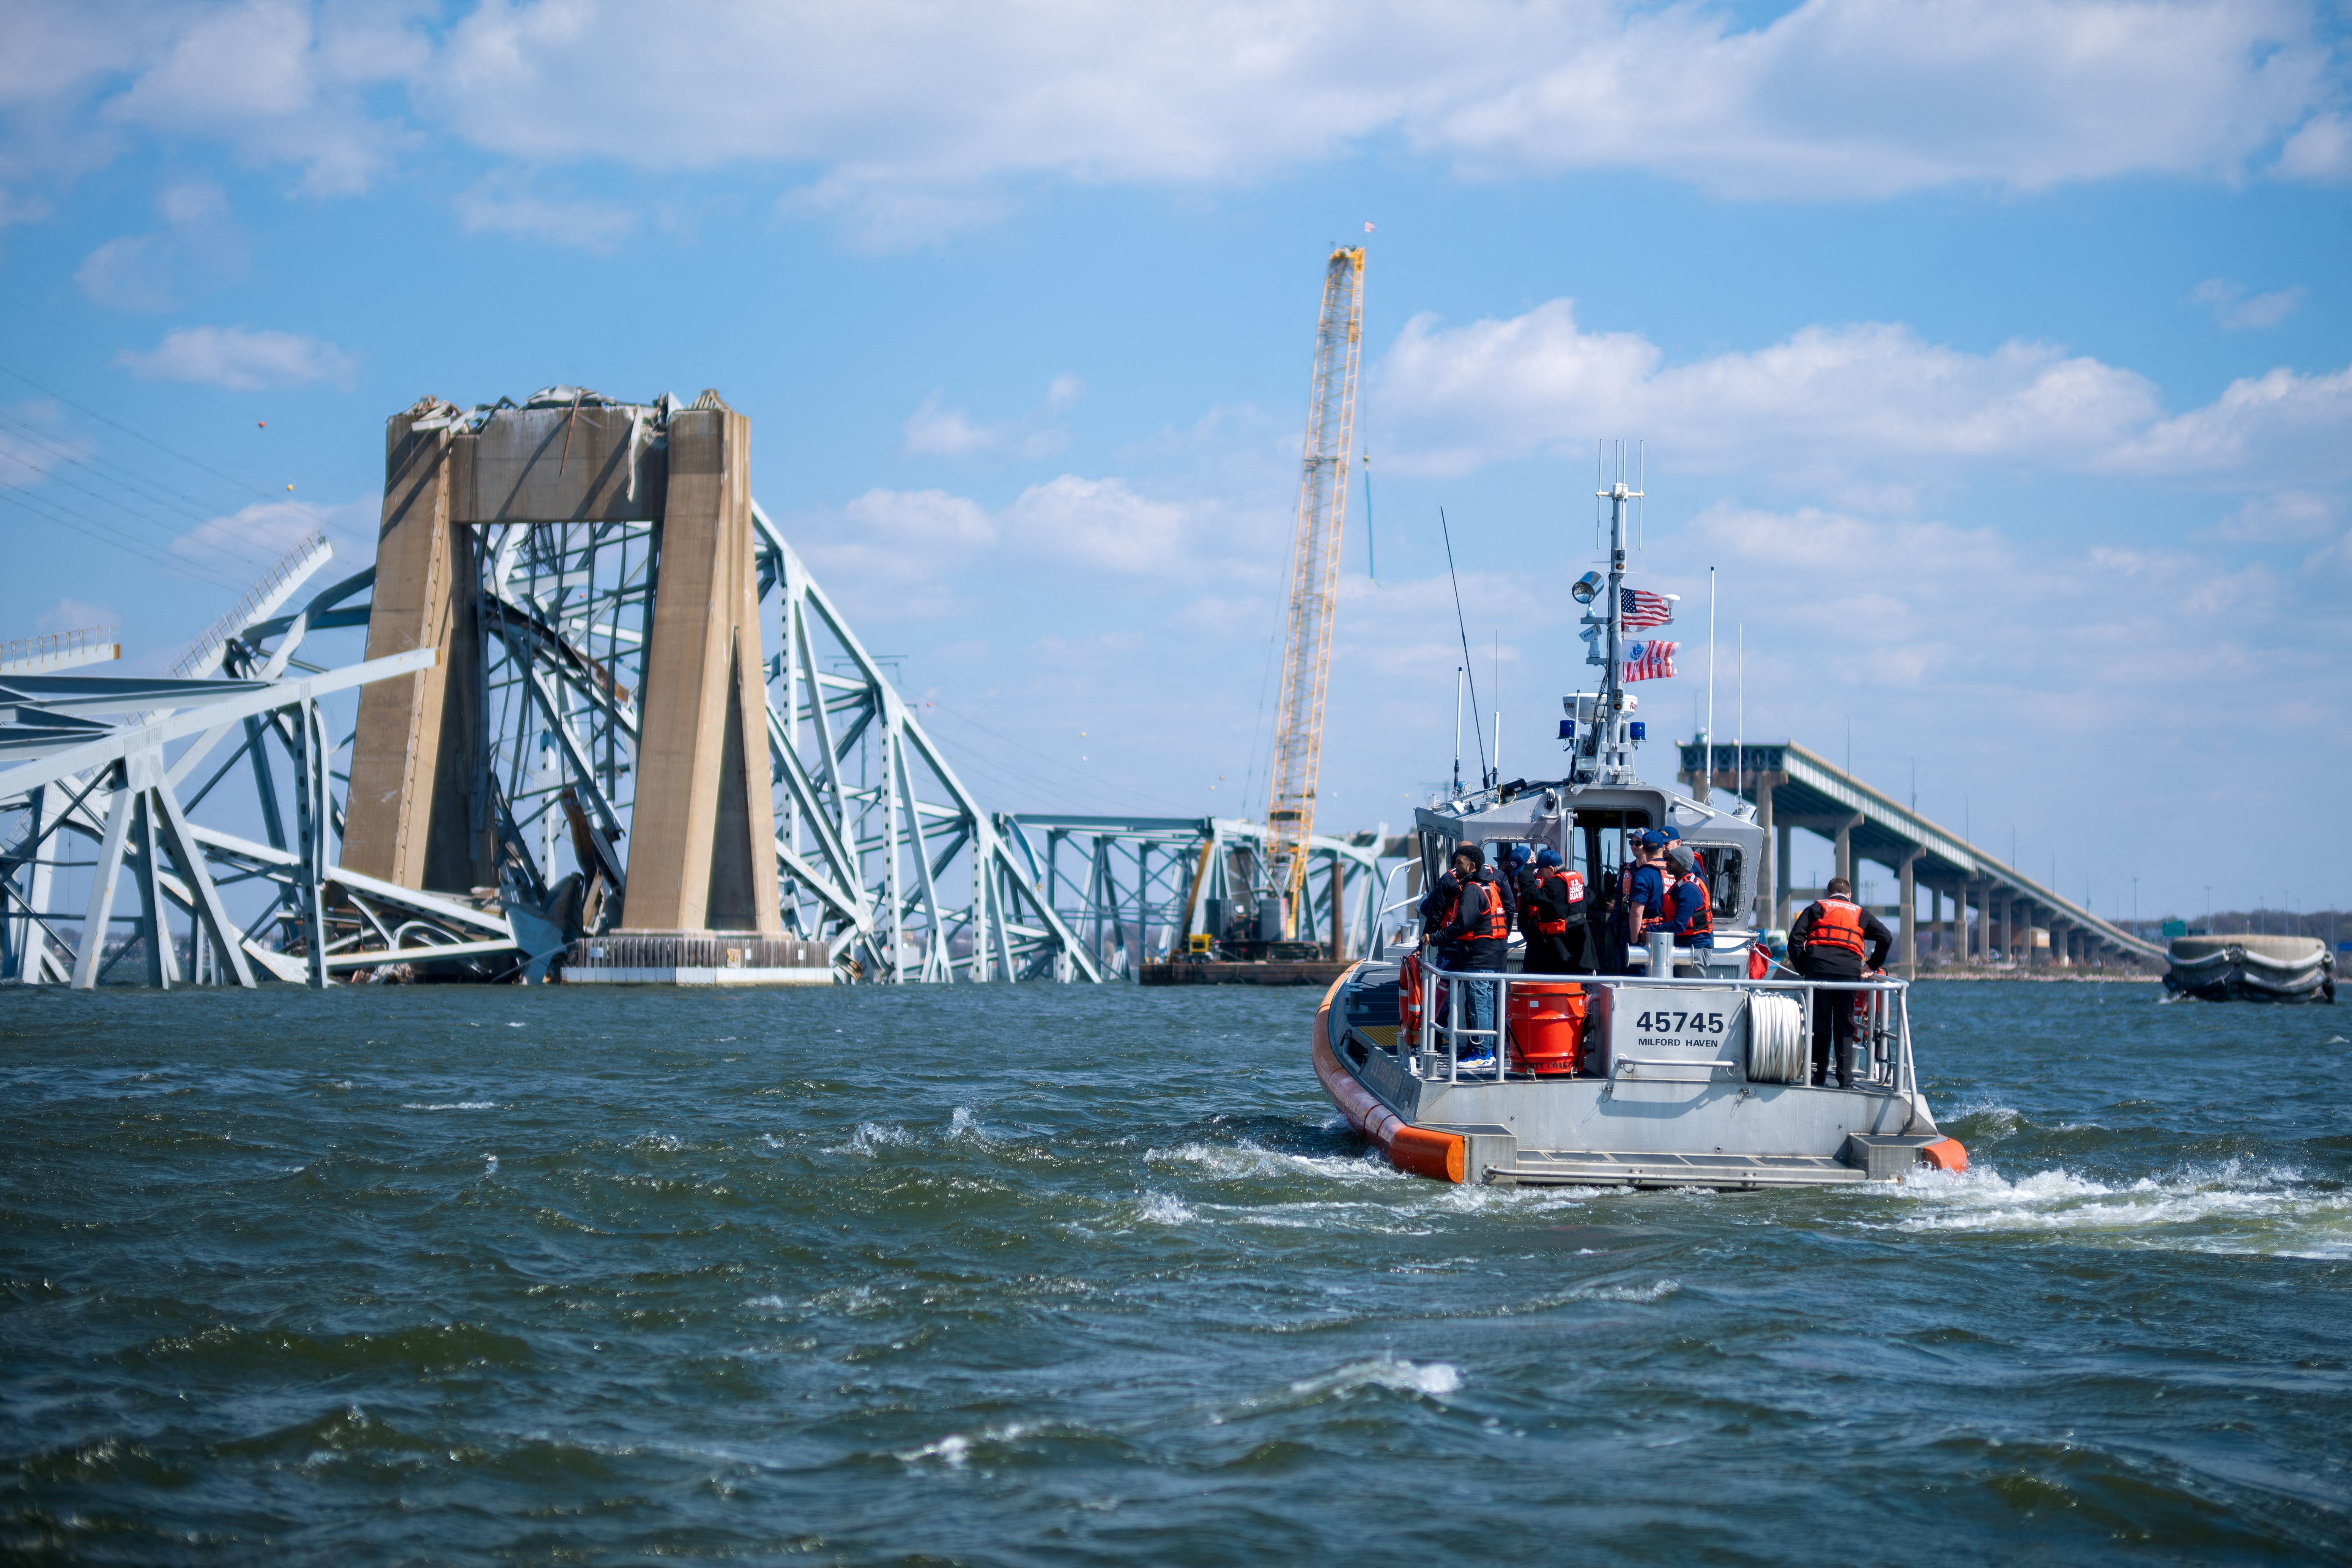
pixel 1137 888
pixel 882 853
pixel 219 801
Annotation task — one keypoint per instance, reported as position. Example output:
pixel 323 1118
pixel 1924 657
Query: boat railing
pixel 1881 1037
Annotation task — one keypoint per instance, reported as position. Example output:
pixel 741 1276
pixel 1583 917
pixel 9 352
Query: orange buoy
pixel 1945 1154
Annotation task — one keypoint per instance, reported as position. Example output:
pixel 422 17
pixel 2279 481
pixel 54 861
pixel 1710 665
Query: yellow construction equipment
pixel 1315 581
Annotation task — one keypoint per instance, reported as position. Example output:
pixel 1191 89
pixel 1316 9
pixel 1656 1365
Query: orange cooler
pixel 1547 1028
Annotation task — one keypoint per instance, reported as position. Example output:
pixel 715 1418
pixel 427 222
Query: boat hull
pixel 2252 969
pixel 1619 1130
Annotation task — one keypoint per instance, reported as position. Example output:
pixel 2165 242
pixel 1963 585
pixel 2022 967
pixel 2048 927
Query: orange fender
pixel 1945 1154
pixel 1417 1150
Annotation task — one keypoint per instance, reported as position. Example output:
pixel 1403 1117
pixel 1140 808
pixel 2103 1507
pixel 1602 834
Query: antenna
pixel 1600 488
pixel 1706 761
pixel 1463 627
pixel 1457 729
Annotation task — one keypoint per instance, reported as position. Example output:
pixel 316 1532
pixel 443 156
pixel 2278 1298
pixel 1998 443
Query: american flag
pixel 1643 608
pixel 1650 661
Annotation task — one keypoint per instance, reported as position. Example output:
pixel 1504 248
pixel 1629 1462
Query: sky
pixel 1997 358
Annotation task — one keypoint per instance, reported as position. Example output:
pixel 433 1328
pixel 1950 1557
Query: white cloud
pixel 30 444
pixel 1850 403
pixel 1098 522
pixel 2290 517
pixel 152 271
pixel 2235 310
pixel 2278 428
pixel 907 123
pixel 1935 631
pixel 267 529
pixel 937 432
pixel 918 553
pixel 916 121
pixel 78 615
pixel 242 360
pixel 282 81
pixel 2320 151
pixel 505 203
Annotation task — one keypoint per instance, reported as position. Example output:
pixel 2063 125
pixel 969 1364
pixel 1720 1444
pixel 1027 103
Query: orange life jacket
pixel 1493 923
pixel 1575 894
pixel 1702 923
pixel 1837 922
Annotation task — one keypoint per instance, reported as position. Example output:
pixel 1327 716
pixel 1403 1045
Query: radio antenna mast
pixel 1603 751
pixel 1463 627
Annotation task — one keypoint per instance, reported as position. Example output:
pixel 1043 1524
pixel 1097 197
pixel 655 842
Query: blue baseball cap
pixel 1653 837
pixel 1547 856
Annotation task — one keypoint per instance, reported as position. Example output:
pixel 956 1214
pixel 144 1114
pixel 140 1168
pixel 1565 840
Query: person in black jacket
pixel 1475 938
pixel 1837 938
pixel 1551 915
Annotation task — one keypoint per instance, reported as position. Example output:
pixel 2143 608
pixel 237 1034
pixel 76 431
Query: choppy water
pixel 1068 1275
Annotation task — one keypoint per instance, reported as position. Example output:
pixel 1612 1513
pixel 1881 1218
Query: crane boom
pixel 1314 578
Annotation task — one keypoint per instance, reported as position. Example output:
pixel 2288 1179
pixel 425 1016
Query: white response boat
pixel 1674 1067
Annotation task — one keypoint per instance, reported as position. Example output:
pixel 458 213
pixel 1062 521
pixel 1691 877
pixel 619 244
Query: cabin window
pixel 1725 874
pixel 1600 850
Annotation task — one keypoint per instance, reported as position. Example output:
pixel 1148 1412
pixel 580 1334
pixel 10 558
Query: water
pixel 1072 1275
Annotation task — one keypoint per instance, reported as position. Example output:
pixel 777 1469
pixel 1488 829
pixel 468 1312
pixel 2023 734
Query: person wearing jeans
pixel 1475 938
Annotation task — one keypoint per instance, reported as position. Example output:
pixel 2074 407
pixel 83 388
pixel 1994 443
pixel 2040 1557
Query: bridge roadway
pixel 1791 787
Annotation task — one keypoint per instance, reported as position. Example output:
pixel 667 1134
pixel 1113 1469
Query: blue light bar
pixel 1641 729
pixel 1568 728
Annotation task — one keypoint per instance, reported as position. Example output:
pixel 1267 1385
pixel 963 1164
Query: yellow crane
pixel 1315 580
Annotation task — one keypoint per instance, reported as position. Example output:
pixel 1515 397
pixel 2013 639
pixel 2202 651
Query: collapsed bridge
pixel 607 725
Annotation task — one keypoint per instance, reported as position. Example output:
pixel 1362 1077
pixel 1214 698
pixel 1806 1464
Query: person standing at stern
pixel 1837 938
pixel 1475 940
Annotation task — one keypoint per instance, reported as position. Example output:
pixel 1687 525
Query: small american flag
pixel 1650 661
pixel 1643 608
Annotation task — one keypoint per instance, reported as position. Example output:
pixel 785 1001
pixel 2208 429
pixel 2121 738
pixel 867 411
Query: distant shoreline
pixel 2044 978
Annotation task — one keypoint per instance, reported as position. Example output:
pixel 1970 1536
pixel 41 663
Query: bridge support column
pixel 1769 904
pixel 704 830
pixel 1780 874
pixel 410 817
pixel 1845 855
pixel 1908 898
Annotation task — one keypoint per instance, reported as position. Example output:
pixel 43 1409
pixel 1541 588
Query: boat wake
pixel 2230 1207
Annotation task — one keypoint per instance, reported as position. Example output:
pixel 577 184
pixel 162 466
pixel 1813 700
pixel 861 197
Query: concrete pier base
pixel 695 957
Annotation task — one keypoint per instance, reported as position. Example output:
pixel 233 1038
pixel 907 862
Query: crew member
pixel 1691 915
pixel 1837 938
pixel 1518 875
pixel 1646 881
pixel 1551 913
pixel 1476 940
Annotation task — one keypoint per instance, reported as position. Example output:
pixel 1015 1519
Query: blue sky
pixel 1998 356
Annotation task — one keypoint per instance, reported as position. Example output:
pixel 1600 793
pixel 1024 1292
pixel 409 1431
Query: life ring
pixel 1408 1002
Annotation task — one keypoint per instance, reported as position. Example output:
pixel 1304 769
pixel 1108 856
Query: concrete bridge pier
pixel 1781 913
pixel 1908 900
pixel 702 825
